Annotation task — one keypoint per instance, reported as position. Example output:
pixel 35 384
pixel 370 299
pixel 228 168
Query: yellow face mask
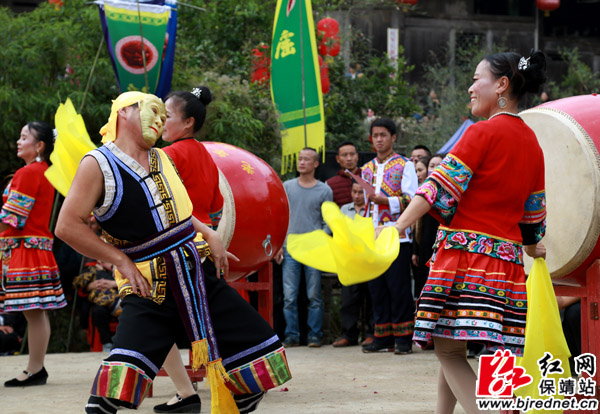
pixel 148 104
pixel 152 116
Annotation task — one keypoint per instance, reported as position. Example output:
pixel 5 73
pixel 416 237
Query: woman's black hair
pixel 193 104
pixel 43 132
pixel 525 74
pixel 425 160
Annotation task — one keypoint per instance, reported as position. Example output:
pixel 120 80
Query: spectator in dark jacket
pixel 341 184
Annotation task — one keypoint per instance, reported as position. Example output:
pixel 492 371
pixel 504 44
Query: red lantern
pixel 325 84
pixel 327 33
pixel 334 50
pixel 324 72
pixel 260 64
pixel 57 3
pixel 406 3
pixel 328 27
pixel 547 6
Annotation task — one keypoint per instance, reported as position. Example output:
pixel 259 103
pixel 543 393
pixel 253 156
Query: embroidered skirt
pixel 471 296
pixel 30 280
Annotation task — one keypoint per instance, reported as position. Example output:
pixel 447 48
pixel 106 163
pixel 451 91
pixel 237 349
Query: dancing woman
pixel 488 195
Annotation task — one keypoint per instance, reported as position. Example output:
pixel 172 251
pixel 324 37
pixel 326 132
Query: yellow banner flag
pixel 296 81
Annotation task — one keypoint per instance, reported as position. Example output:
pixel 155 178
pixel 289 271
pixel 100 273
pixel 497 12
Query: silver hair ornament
pixel 197 92
pixel 523 63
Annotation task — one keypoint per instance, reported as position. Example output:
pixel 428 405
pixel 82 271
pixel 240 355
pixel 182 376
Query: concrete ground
pixel 325 380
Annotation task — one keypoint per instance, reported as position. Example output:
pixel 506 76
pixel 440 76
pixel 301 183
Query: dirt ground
pixel 325 380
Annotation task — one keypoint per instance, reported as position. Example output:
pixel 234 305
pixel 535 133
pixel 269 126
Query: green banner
pixel 295 79
pixel 137 68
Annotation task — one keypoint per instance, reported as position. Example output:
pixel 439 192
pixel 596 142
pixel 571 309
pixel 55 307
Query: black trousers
pixel 393 303
pixel 356 299
pixel 101 319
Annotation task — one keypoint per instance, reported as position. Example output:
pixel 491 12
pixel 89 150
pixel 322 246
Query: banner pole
pixel 303 83
pixel 87 85
pixel 143 47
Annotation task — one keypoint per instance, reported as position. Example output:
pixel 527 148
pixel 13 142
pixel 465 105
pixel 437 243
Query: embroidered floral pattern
pixel 453 175
pixel 41 243
pixel 439 199
pixel 535 208
pixel 16 209
pixel 479 243
pixel 13 220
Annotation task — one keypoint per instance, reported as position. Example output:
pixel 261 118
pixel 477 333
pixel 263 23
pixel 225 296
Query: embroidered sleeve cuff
pixel 215 218
pixel 18 206
pixel 13 220
pixel 442 202
pixel 532 233
pixel 535 208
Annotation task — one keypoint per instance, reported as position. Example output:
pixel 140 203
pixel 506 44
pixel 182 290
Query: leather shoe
pixel 342 342
pixel 377 346
pixel 403 349
pixel 190 404
pixel 39 378
pixel 368 341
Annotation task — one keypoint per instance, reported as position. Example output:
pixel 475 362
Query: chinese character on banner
pixel 498 375
pixel 285 46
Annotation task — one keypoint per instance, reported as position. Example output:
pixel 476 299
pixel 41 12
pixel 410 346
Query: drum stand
pixel 264 287
pixel 589 293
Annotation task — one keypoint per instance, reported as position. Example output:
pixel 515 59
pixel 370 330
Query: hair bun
pixel 535 71
pixel 203 94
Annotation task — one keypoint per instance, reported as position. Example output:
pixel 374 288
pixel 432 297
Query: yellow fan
pixel 352 252
pixel 72 143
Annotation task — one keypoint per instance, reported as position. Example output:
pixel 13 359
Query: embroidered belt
pixel 481 243
pixel 30 242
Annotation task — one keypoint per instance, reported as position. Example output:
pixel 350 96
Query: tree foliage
pixel 578 80
pixel 35 50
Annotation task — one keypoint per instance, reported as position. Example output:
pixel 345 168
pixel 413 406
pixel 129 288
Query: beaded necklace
pixel 505 113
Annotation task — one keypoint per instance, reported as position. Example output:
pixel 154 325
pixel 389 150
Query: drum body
pixel 568 131
pixel 255 210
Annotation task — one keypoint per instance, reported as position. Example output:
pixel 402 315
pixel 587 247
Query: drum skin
pixel 568 131
pixel 256 209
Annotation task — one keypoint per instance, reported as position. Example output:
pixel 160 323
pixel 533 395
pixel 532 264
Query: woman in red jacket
pixel 30 279
pixel 488 194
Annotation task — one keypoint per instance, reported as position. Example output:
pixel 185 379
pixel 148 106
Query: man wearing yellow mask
pixel 157 246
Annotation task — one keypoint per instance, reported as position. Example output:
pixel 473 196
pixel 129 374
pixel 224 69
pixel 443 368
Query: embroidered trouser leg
pixel 252 353
pixel 145 334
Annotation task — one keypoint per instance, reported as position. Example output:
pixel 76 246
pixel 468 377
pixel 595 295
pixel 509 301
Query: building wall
pixel 436 25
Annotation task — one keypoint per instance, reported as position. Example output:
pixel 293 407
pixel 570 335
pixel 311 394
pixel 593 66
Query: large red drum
pixel 568 131
pixel 255 211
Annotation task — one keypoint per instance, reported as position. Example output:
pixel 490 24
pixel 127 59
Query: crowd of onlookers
pixel 359 319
